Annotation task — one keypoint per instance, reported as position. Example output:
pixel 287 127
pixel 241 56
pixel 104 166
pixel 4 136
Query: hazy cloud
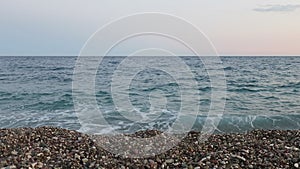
pixel 277 8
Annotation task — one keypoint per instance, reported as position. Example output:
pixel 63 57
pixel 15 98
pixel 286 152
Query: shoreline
pixel 51 147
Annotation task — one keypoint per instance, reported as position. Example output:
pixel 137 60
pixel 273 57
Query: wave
pixel 291 85
pixel 222 123
pixel 244 89
pixel 229 68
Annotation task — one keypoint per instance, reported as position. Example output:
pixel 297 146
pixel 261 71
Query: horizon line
pixel 150 56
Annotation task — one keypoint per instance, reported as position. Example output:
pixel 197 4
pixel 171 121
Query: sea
pixel 262 92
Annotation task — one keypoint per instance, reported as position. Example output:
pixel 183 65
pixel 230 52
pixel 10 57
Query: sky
pixel 235 27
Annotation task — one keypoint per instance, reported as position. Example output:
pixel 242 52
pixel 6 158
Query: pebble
pixel 238 157
pixel 14 152
pixel 77 156
pixel 169 161
pixel 85 160
pixel 40 165
pixel 50 147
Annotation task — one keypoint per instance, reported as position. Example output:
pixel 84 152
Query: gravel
pixel 50 147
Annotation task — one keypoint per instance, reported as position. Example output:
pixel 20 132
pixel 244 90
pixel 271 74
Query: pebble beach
pixel 50 147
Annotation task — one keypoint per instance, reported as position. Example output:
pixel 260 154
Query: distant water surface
pixel 262 92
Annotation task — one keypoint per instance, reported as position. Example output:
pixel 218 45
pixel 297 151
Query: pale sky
pixel 235 27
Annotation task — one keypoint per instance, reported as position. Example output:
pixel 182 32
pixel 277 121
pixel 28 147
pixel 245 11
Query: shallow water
pixel 262 92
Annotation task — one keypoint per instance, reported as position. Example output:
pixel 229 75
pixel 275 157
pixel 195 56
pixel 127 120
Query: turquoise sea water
pixel 262 92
